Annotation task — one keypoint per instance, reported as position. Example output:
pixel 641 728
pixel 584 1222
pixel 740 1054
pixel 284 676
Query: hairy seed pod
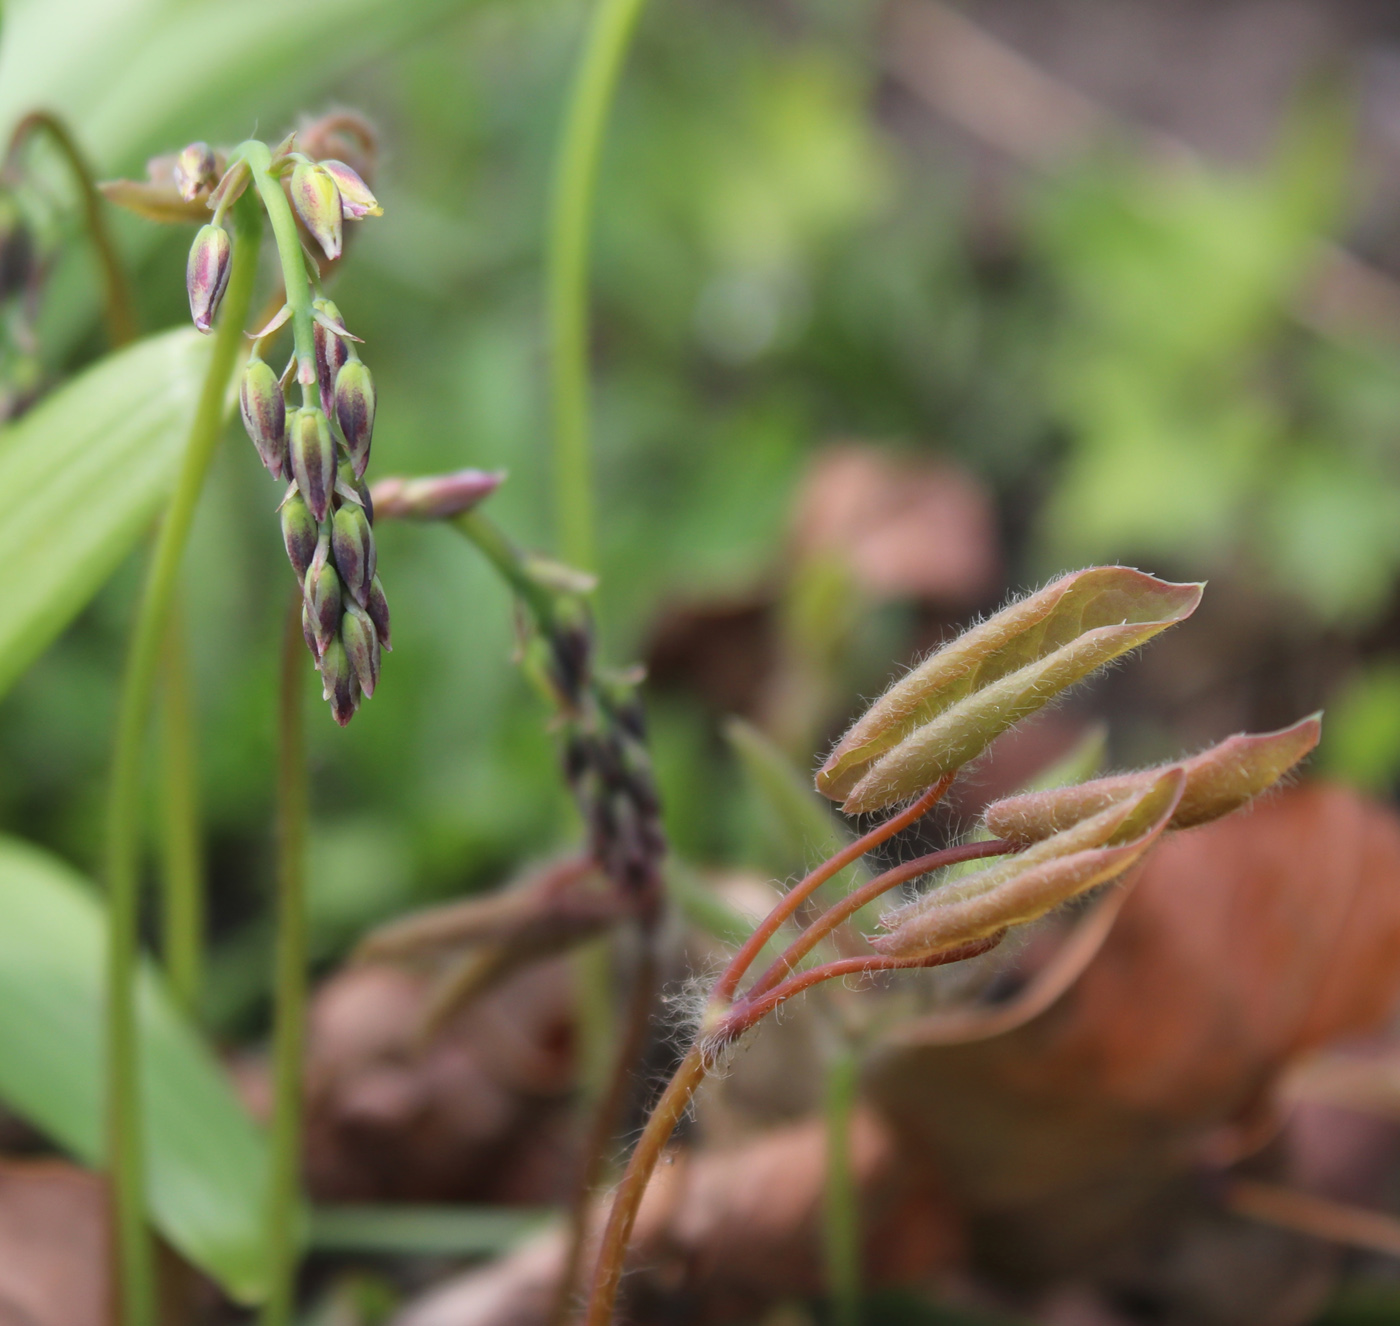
pixel 361 643
pixel 265 415
pixel 338 684
pixel 323 598
pixel 206 273
pixel 331 354
pixel 313 459
pixel 317 201
pixel 354 411
pixel 352 545
pixel 356 201
pixel 378 608
pixel 299 534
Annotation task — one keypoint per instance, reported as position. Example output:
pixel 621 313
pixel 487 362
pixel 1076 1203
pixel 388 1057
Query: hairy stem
pixel 121 855
pixel 813 934
pixel 840 1218
pixel 121 319
pixel 799 893
pixel 575 181
pixel 627 1201
pixel 182 874
pixel 284 1201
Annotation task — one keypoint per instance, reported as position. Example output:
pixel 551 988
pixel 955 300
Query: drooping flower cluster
pixel 321 447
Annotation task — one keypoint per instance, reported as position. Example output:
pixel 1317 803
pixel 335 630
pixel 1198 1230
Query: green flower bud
pixel 353 547
pixel 317 201
pixel 356 201
pixel 331 353
pixel 195 169
pixel 361 643
pixel 299 534
pixel 265 415
pixel 378 608
pixel 313 459
pixel 354 411
pixel 323 598
pixel 338 684
pixel 206 273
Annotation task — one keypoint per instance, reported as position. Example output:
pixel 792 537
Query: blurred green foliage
pixel 779 261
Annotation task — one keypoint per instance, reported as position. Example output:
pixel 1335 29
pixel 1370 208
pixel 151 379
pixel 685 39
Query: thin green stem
pixel 510 564
pixel 575 183
pixel 121 319
pixel 182 872
pixel 284 1198
pixel 121 855
pixel 841 1220
pixel 289 252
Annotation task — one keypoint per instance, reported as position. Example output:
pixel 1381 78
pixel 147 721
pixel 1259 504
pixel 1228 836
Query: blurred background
pixel 899 307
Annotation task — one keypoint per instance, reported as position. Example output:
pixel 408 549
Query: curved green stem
pixel 121 320
pixel 124 1155
pixel 575 181
pixel 284 1203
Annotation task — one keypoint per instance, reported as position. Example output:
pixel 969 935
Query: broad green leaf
pixel 949 708
pixel 206 1162
pixel 81 477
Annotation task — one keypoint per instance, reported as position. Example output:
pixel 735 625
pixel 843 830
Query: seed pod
pixel 195 169
pixel 265 415
pixel 331 354
pixel 354 490
pixel 317 200
pixel 338 684
pixel 206 273
pixel 354 411
pixel 361 643
pixel 353 547
pixel 323 598
pixel 356 201
pixel 308 634
pixel 437 496
pixel 299 534
pixel 378 608
pixel 313 459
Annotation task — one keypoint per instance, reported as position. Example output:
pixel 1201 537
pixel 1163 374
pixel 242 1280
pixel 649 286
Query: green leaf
pixel 206 1162
pixel 81 477
pixel 436 1231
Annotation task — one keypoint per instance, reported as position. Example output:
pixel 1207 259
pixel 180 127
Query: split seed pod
pixel 317 202
pixel 949 708
pixel 1218 781
pixel 1043 877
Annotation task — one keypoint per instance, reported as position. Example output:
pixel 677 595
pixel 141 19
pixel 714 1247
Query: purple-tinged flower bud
pixel 354 411
pixel 265 415
pixel 331 353
pixel 313 459
pixel 356 201
pixel 323 598
pixel 195 169
pixel 378 608
pixel 206 273
pixel 317 200
pixel 338 684
pixel 353 547
pixel 435 496
pixel 361 643
pixel 299 534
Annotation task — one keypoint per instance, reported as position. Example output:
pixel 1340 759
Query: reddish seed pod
pixel 378 608
pixel 323 598
pixel 299 534
pixel 206 273
pixel 338 684
pixel 361 643
pixel 331 354
pixel 264 411
pixel 313 459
